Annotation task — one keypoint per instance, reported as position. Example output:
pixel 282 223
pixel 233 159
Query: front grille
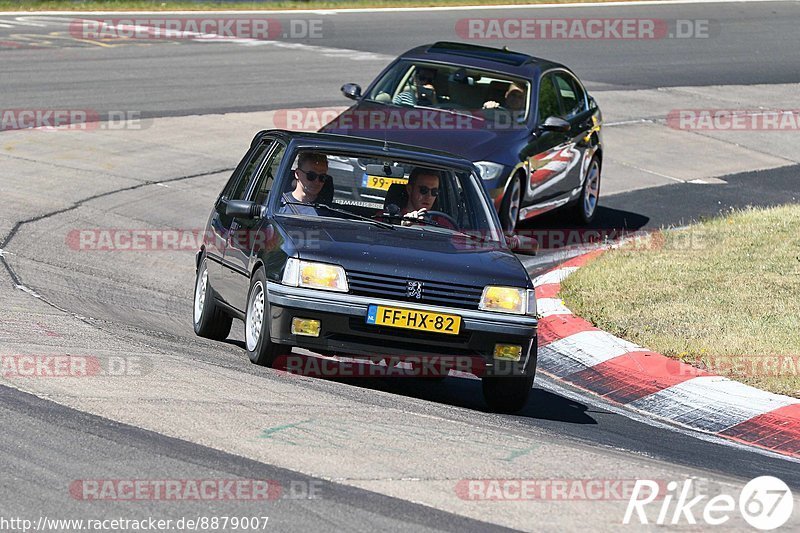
pixel 396 288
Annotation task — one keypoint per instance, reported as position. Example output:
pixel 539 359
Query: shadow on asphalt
pixel 607 218
pixel 455 391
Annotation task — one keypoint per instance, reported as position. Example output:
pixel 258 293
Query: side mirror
pixel 352 91
pixel 592 103
pixel 244 209
pixel 555 124
pixel 522 245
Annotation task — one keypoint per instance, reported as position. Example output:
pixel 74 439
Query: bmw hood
pixel 484 136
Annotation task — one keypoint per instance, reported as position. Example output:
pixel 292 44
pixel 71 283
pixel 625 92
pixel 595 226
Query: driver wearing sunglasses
pixel 310 176
pixel 423 189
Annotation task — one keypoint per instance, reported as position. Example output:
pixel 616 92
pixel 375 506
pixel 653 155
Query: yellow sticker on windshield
pixel 380 182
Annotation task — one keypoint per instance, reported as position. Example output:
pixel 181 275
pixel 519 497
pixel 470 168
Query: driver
pixel 423 189
pixel 422 92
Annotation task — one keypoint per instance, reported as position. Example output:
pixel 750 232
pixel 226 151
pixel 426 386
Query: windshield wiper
pixel 343 212
pixel 431 222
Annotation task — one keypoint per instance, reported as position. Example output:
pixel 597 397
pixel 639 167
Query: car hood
pixel 438 130
pixel 416 253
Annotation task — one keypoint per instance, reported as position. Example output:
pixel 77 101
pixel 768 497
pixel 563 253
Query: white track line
pixel 393 9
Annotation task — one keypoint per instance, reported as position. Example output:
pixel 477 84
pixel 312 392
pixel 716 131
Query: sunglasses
pixel 312 176
pixel 424 191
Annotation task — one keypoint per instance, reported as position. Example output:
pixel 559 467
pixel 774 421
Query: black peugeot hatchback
pixel 351 246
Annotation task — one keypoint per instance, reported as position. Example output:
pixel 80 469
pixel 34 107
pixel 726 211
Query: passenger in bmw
pixel 310 177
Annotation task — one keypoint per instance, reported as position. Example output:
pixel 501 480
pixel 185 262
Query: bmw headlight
pixel 313 275
pixel 489 170
pixel 508 300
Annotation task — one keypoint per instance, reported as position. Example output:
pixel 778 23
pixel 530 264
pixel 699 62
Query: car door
pixel 576 111
pixel 216 238
pixel 545 152
pixel 225 225
pixel 247 234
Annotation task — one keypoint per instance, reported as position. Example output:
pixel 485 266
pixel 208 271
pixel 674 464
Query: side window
pixel 267 177
pixel 548 100
pixel 237 188
pixel 571 94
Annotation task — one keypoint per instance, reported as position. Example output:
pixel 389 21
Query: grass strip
pixel 723 294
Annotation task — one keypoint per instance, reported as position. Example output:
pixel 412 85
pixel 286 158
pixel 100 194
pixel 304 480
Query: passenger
pixel 422 91
pixel 310 177
pixel 514 99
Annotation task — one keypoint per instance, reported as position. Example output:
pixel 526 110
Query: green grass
pixel 166 5
pixel 723 295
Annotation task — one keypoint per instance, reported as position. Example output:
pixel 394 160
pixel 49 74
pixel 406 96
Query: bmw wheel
pixel 210 320
pixel 509 208
pixel 586 208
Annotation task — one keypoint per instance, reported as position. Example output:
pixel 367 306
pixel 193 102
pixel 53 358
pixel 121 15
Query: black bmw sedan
pixel 527 123
pixel 350 246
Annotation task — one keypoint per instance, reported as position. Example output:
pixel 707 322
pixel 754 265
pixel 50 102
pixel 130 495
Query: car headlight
pixel 489 170
pixel 300 273
pixel 508 300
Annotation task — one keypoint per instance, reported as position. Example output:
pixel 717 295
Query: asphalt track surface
pixel 177 79
pixel 747 44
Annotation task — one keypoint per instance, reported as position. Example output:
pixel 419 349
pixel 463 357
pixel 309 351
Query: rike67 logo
pixel 765 503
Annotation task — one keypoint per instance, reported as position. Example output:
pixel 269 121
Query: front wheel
pixel 260 348
pixel 210 321
pixel 509 208
pixel 506 394
pixel 586 207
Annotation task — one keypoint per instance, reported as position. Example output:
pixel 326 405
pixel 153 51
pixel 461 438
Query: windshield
pixel 394 194
pixel 452 87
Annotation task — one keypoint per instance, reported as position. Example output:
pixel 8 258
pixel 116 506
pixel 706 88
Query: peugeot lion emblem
pixel 414 289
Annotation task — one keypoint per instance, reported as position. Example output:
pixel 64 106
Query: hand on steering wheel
pixel 430 214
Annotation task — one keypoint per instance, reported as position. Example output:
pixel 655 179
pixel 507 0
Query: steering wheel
pixel 431 214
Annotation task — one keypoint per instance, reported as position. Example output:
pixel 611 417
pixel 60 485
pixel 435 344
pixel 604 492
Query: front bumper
pixel 344 330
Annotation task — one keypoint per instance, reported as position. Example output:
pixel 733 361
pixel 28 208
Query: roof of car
pixel 333 140
pixel 499 59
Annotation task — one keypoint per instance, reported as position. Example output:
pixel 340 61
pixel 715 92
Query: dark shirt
pixel 296 209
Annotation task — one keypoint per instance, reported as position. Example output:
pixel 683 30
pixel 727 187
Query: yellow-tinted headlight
pixel 504 300
pixel 315 275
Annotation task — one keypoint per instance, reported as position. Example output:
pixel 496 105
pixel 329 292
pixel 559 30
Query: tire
pixel 586 207
pixel 506 394
pixel 210 321
pixel 509 208
pixel 260 348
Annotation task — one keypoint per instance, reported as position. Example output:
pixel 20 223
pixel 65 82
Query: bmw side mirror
pixel 352 90
pixel 244 209
pixel 556 124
